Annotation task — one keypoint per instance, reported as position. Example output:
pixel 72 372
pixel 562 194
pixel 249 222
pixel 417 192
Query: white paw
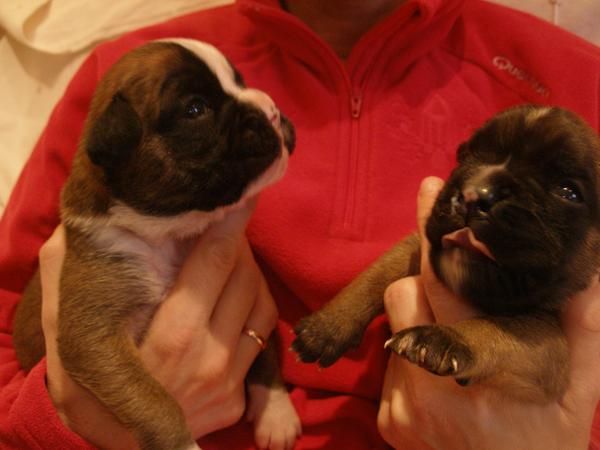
pixel 276 423
pixel 193 447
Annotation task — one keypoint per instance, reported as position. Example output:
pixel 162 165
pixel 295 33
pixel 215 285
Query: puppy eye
pixel 196 108
pixel 570 192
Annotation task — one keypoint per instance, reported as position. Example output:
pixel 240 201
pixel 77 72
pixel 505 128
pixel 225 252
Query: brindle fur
pixel 545 250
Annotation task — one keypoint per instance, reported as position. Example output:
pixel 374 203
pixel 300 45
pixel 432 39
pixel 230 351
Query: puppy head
pixel 173 129
pixel 517 225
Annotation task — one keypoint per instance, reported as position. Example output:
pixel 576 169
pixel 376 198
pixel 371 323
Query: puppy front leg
pixel 524 357
pixel 99 353
pixel 327 334
pixel 276 422
pixel 117 378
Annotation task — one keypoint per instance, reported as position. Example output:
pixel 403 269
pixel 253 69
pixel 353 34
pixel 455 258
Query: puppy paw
pixel 440 350
pixel 322 340
pixel 276 423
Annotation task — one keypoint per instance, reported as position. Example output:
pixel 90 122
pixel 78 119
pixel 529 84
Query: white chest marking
pixel 160 244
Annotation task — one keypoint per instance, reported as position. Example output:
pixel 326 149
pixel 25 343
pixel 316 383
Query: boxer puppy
pixel 516 232
pixel 173 141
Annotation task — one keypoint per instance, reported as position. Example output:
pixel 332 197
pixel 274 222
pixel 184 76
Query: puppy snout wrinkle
pixel 263 102
pixel 482 198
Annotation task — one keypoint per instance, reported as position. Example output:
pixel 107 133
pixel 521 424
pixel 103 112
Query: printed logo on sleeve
pixel 504 64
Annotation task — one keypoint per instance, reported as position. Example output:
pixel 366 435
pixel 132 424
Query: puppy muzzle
pixel 263 102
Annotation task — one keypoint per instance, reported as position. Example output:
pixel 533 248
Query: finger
pixel 206 271
pixel 262 320
pixel 75 406
pixel 385 421
pixel 406 304
pixel 52 255
pixel 237 300
pixel 428 192
pixel 581 323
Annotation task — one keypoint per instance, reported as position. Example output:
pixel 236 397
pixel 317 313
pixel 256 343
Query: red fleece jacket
pixel 368 131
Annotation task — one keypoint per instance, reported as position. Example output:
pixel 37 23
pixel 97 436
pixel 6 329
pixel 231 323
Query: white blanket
pixel 42 42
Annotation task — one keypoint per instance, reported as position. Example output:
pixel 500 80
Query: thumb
pixel 52 255
pixel 446 306
pixel 428 192
pixel 581 323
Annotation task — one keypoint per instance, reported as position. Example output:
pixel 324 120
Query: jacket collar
pixel 431 6
pixel 413 29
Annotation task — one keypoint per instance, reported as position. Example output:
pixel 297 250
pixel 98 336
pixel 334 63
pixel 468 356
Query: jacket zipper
pixel 355 104
pixel 345 222
pixel 349 223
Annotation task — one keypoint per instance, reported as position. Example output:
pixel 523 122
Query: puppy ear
pixel 114 135
pixel 461 153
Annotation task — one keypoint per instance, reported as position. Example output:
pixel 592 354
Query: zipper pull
pixel 355 105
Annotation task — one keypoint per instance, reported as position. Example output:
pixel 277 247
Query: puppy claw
pixel 398 344
pixel 439 350
pixel 388 343
pixel 422 355
pixel 454 362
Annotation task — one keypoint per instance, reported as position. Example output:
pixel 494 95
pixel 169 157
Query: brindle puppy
pixel 516 231
pixel 172 142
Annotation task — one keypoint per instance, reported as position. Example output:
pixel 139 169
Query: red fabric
pixel 368 131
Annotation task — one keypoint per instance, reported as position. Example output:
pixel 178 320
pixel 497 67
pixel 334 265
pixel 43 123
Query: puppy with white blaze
pixel 173 141
pixel 515 231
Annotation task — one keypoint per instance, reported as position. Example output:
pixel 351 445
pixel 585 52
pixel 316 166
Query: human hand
pixel 219 292
pixel 419 410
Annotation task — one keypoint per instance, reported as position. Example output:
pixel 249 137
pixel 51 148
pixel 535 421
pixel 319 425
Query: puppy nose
pixel 262 101
pixel 482 198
